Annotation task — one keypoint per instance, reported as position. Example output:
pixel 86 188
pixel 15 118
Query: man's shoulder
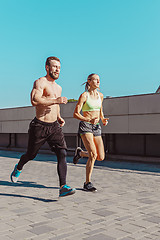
pixel 40 81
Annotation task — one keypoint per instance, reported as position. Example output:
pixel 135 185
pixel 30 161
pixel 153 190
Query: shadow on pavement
pixel 118 165
pixel 40 157
pixel 25 184
pixel 29 197
pixel 135 166
pixel 80 189
pixel 122 165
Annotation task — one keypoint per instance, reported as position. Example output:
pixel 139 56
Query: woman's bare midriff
pixel 92 114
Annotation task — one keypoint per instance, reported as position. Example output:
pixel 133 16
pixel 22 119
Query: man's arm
pixel 59 118
pixel 37 97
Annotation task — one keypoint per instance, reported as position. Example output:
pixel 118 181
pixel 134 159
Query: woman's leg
pixel 79 153
pixel 84 154
pixel 88 141
pixel 99 147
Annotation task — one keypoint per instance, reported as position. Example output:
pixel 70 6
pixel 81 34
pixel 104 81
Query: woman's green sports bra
pixel 92 104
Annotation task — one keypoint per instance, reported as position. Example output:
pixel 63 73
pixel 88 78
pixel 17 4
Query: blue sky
pixel 117 39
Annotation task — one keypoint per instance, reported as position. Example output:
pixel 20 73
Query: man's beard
pixel 53 76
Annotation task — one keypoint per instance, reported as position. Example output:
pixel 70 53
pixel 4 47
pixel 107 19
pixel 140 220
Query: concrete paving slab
pixel 125 207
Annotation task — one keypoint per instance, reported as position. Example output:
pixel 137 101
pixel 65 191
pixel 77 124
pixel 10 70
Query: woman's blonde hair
pixel 87 86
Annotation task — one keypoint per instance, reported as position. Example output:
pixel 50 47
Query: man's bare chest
pixel 51 92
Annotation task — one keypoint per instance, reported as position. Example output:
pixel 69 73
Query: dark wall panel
pixel 21 140
pixel 121 144
pixel 129 144
pixel 71 141
pixel 153 145
pixel 4 139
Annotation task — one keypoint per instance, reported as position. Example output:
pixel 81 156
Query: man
pixel 46 126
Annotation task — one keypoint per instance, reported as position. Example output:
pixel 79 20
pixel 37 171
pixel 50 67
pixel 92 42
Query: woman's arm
pixel 103 119
pixel 82 99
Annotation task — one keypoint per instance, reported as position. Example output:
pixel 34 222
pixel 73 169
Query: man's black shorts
pixel 41 132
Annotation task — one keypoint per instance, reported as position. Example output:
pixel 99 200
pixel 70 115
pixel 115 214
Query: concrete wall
pixel 133 114
pixel 133 129
pixel 16 120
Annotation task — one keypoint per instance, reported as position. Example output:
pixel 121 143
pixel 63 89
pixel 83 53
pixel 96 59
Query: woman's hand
pixel 105 121
pixel 94 120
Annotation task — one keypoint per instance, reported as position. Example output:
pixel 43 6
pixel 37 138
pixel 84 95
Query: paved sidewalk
pixel 126 206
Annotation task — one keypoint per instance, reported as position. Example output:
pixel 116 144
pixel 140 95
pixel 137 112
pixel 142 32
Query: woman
pixel 90 102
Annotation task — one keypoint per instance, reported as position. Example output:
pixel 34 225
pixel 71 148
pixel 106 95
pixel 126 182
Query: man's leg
pixel 61 165
pixel 57 144
pixel 35 141
pixel 18 167
pixel 65 190
pixel 24 159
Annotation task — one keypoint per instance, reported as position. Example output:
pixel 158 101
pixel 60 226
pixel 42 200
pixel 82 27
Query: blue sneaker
pixel 15 174
pixel 66 190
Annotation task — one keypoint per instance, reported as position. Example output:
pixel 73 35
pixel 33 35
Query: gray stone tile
pixel 23 211
pixel 53 214
pixel 95 221
pixel 93 232
pixel 123 218
pixel 63 236
pixel 38 224
pixel 147 201
pixel 22 235
pixel 127 238
pixel 100 236
pixel 5 238
pixel 103 212
pixel 125 207
pixel 41 229
pixel 153 219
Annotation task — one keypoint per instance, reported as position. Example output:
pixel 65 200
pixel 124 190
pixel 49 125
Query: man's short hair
pixel 49 59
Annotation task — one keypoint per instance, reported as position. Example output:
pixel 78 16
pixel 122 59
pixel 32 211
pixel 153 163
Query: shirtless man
pixel 46 126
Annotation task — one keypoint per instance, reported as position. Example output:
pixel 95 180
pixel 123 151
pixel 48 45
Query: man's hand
pixel 105 121
pixel 61 121
pixel 61 100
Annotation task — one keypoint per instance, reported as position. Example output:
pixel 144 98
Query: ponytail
pixel 86 83
pixel 86 86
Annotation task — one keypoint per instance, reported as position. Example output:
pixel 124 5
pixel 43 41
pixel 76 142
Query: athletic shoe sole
pixel 86 190
pixel 72 191
pixel 75 161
